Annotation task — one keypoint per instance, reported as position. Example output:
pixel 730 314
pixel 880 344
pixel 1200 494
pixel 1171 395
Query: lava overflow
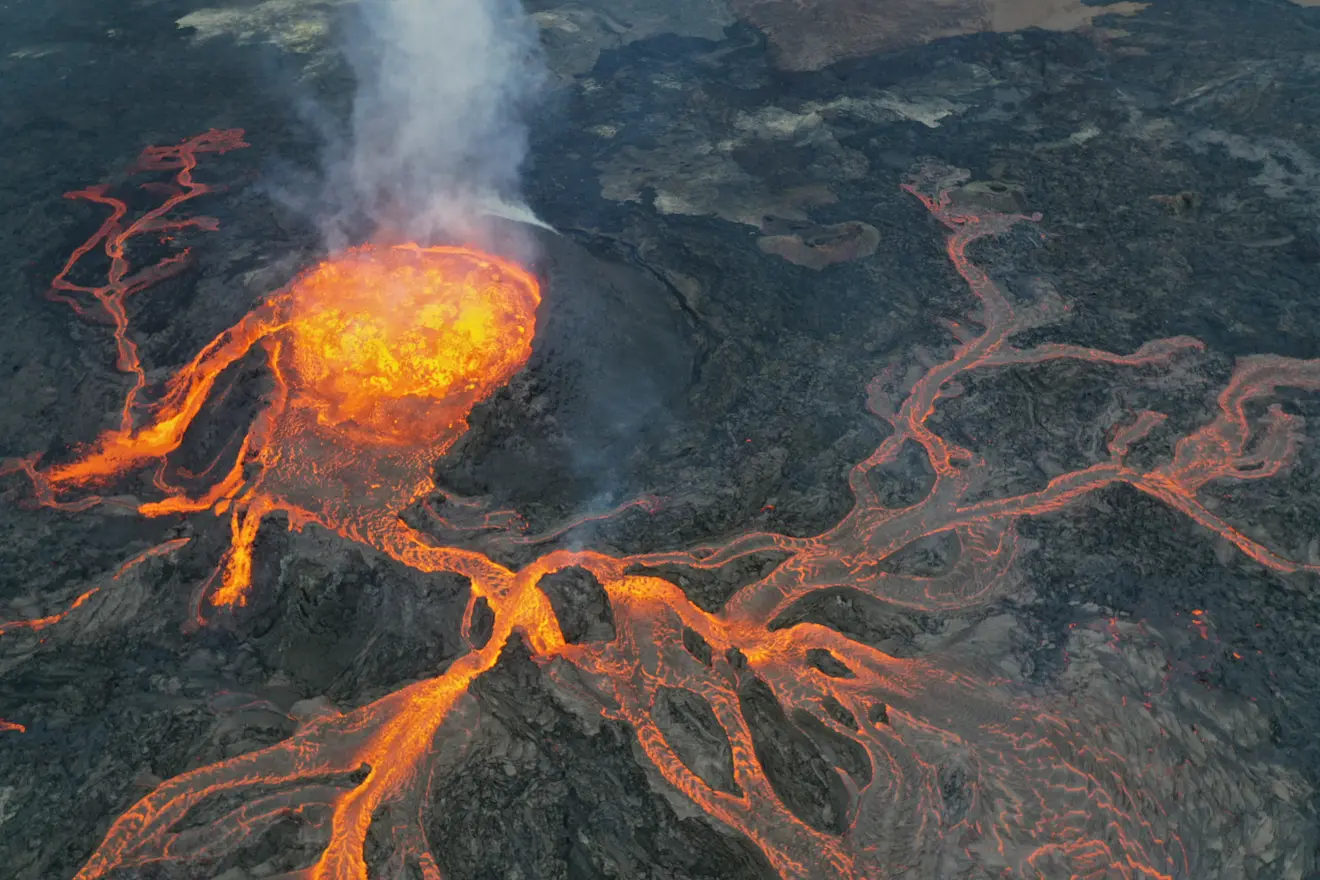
pixel 375 360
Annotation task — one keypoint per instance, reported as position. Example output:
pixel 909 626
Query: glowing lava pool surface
pixel 395 345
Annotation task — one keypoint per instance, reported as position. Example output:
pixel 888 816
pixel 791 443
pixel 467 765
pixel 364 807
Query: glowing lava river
pixel 376 358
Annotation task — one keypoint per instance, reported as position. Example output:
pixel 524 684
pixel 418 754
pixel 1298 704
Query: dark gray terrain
pixel 733 262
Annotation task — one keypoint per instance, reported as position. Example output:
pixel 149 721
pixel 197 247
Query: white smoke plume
pixel 437 130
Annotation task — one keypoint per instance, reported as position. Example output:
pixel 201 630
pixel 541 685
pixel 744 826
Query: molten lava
pixel 376 359
pixel 395 345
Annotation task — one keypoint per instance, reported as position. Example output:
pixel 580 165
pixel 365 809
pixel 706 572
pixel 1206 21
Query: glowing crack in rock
pixel 358 395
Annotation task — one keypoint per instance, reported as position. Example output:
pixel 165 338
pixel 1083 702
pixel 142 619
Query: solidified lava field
pixel 849 444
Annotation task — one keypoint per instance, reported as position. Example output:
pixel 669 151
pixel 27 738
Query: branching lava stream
pixel 378 355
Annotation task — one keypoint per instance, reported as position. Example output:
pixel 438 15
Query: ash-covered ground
pixel 734 262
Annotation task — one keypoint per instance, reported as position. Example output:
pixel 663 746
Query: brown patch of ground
pixel 809 36
pixel 824 245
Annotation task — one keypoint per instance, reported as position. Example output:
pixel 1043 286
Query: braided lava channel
pixel 378 356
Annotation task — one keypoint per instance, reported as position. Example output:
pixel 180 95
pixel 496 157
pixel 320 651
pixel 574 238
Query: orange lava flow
pixel 376 358
pixel 115 234
pixel 39 623
pixel 1041 798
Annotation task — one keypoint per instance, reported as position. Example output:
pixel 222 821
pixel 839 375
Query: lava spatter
pixel 1032 795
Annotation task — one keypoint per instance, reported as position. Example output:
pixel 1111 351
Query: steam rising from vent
pixel 437 126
